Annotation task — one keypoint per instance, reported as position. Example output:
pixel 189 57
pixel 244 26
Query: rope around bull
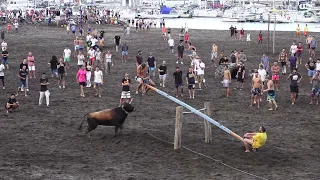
pixel 208 157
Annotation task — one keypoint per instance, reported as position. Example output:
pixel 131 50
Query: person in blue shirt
pixel 73 29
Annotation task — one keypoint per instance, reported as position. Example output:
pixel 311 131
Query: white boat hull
pixel 205 13
pixel 169 16
pixel 230 19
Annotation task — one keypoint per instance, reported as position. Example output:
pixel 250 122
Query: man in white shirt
pixel 293 49
pixel 318 65
pixel 98 81
pixel 171 44
pixel 262 73
pixel 195 64
pixel 4 45
pixel 92 55
pixel 2 67
pixel 16 25
pixel 94 41
pixel 89 37
pixel 66 56
pixel 200 74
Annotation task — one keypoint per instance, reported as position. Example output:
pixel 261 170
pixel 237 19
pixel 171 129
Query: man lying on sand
pixel 256 140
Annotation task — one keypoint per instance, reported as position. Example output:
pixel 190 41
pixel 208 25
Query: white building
pixel 20 4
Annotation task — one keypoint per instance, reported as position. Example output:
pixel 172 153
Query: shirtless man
pixel 271 94
pixel 143 77
pixel 256 84
pixel 214 53
pixel 283 59
pixel 308 42
pixel 76 47
pixel 81 45
pixel 226 79
pixel 275 74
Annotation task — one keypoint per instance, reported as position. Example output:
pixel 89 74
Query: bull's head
pixel 128 107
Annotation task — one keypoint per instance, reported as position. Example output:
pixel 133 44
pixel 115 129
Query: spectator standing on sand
pixel 299 52
pixel 311 67
pixel 76 46
pixel 295 79
pixel 31 66
pixel 66 56
pixel 260 38
pixel 241 34
pixel 256 91
pixel 240 75
pixel 124 53
pixel 248 42
pixel 200 74
pixel 25 63
pixel 190 79
pixel 139 60
pixel 256 140
pixel 2 68
pixel 98 81
pixel 171 44
pixel 275 69
pixel 271 94
pixel 88 74
pixel 99 61
pixel 283 58
pixel 125 93
pixel 117 41
pixel 108 62
pixel 315 87
pixel 152 65
pixel 231 31
pixel 178 81
pixel 2 34
pixel 226 79
pixel 164 33
pixel 242 56
pixel 81 60
pixel 186 37
pixel 4 45
pixel 180 50
pixel 265 62
pixel 313 46
pixel 92 55
pixel 262 73
pixel 214 53
pixel 61 74
pixel 12 103
pixel 293 62
pixel 81 79
pixel 162 73
pixel 53 66
pixel 44 82
pixel 5 55
pixel 23 76
pixel 293 48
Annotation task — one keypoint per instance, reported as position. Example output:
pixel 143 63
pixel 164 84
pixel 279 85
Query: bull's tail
pixel 80 127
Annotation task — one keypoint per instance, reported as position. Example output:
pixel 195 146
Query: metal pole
pixel 268 33
pixel 274 34
pixel 195 111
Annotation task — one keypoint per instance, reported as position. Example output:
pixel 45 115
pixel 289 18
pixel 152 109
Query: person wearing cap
pixel 315 87
pixel 162 73
pixel 311 67
pixel 295 79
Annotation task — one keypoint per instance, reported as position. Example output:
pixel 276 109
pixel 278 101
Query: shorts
pixel 180 55
pixel 214 55
pixel 92 59
pixel 82 83
pixel 97 84
pixel 298 32
pixel 5 61
pixel 256 91
pixel 200 78
pixel 162 77
pixel 164 34
pixel 191 86
pixel 171 47
pixel 313 48
pixel 61 76
pixel 309 46
pixel 226 83
pixel 299 54
pixel 31 68
pixel 73 32
pixel 81 47
pixel 76 47
pixel 271 96
pixel 311 73
pixel 151 69
pixel 23 83
pixel 240 79
pixel 275 77
pixel 124 53
pixel 66 59
pixel 125 95
pixel 315 92
pixel 179 85
pixel 283 64
pixel 294 89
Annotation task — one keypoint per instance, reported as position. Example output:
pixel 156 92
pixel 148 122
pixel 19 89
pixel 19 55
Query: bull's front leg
pixel 116 131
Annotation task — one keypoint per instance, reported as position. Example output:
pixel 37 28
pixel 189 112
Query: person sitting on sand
pixel 256 139
pixel 12 103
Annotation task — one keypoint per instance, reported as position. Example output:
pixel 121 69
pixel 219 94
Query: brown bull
pixel 109 117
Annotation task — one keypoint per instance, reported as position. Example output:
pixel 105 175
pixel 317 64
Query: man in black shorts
pixel 178 81
pixel 295 78
pixel 117 41
pixel 240 75
pixel 61 73
pixel 191 81
pixel 180 49
pixel 12 103
pixel 23 73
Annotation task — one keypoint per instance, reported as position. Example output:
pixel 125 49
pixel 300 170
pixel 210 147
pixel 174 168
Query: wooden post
pixel 268 33
pixel 274 34
pixel 207 125
pixel 178 127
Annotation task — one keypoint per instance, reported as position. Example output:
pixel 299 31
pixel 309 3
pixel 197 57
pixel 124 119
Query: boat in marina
pixel 208 13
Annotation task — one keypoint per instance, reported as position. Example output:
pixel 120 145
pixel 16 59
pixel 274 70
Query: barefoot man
pixel 275 74
pixel 256 139
pixel 271 94
pixel 226 79
pixel 256 84
pixel 143 77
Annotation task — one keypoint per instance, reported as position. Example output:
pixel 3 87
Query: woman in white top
pixel 81 59
pixel 108 60
pixel 248 39
pixel 88 69
pixel 98 58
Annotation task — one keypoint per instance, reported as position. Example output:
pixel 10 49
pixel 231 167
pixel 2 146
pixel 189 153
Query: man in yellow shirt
pixel 298 31
pixel 256 140
pixel 306 29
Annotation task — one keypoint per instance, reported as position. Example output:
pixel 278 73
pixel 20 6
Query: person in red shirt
pixel 8 28
pixel 186 37
pixel 241 34
pixel 299 52
pixel 164 33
